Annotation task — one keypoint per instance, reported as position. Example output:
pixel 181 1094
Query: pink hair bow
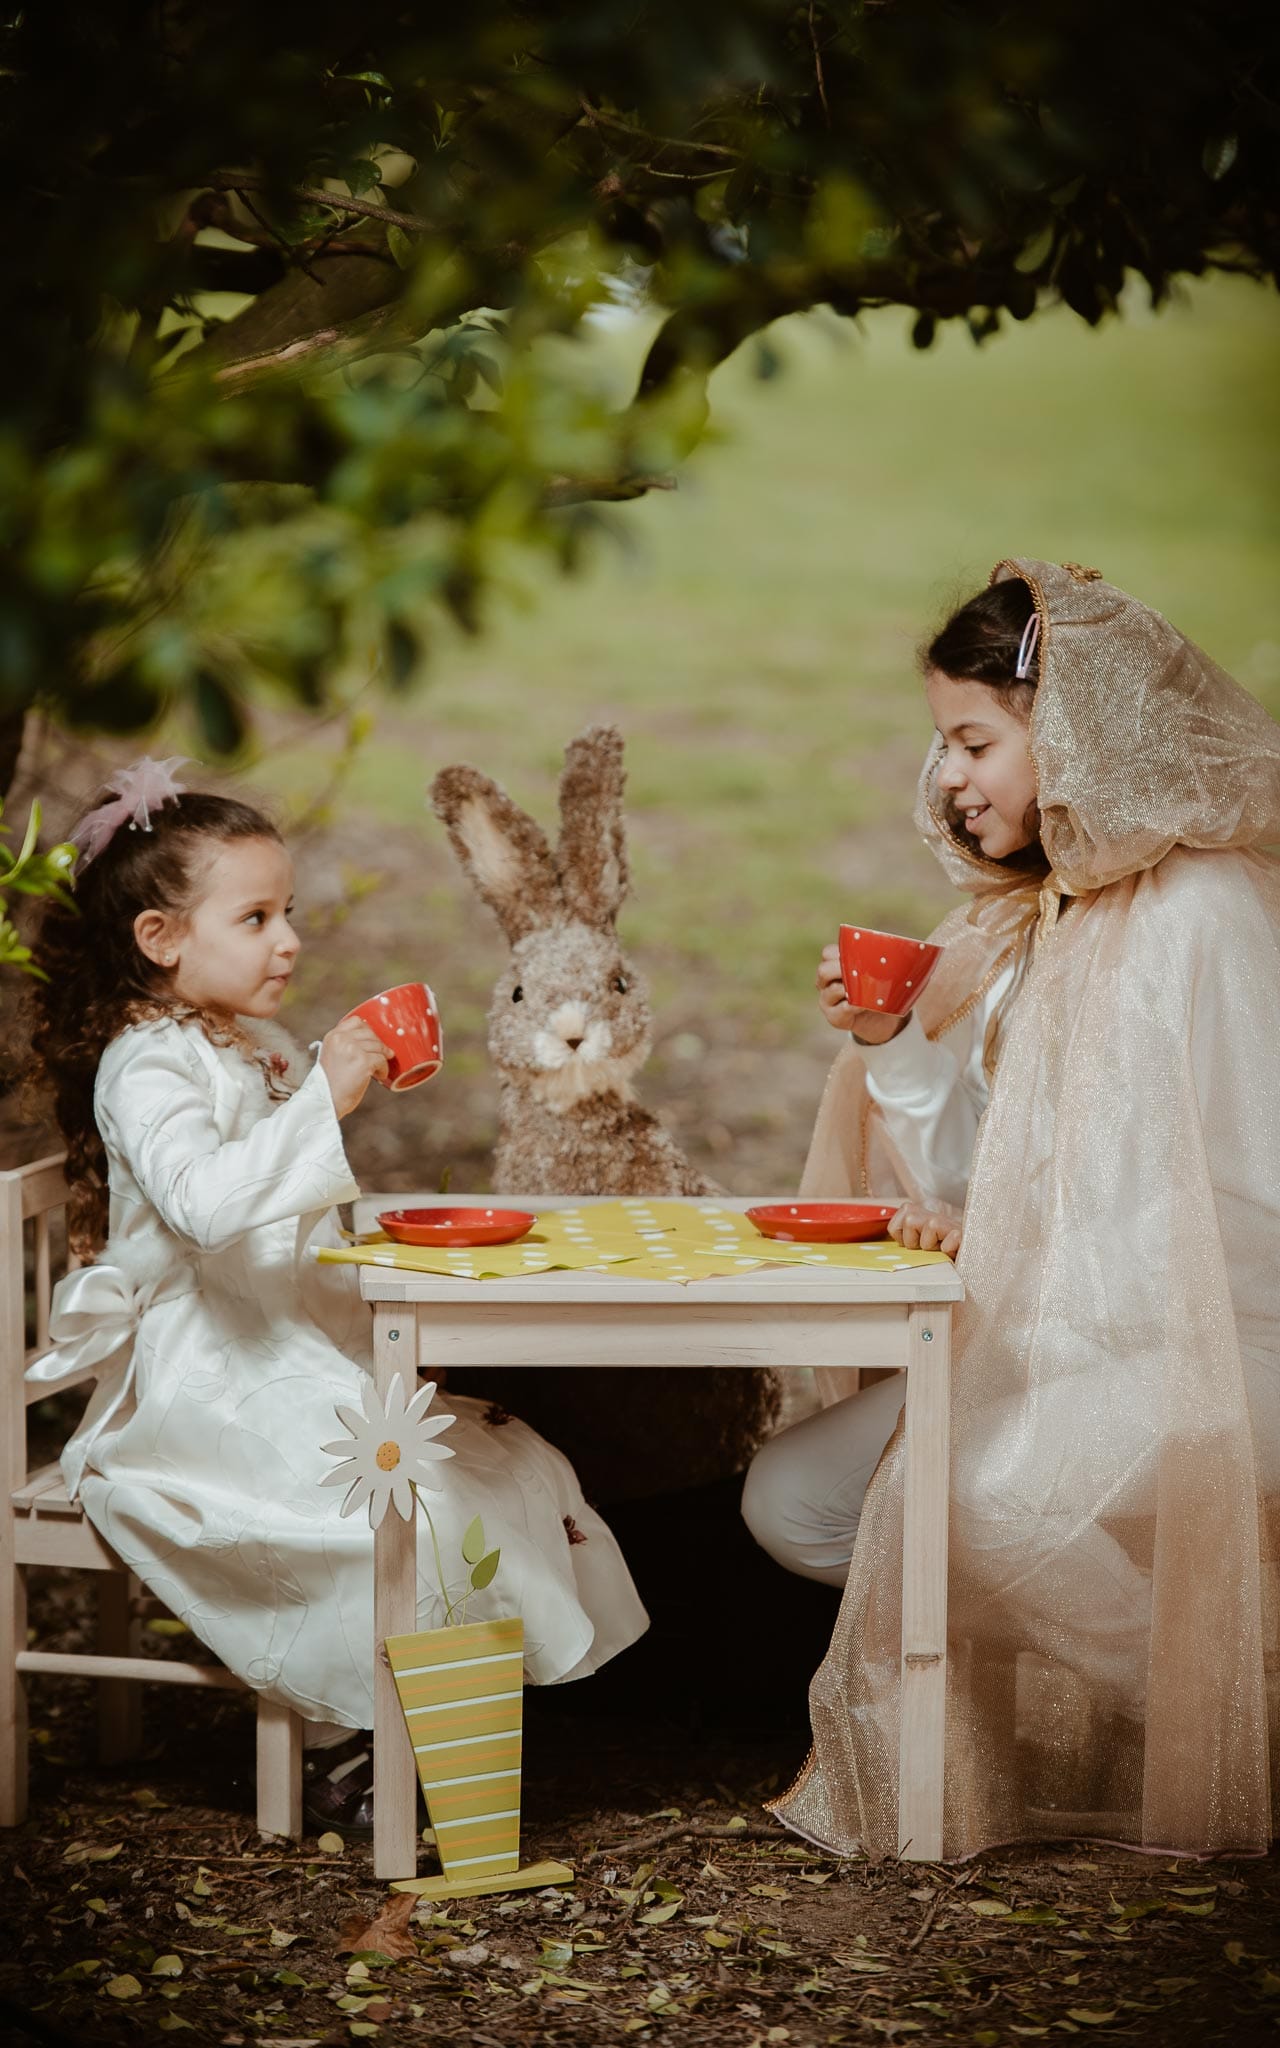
pixel 140 789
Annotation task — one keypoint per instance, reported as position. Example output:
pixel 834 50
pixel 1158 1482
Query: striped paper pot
pixel 462 1690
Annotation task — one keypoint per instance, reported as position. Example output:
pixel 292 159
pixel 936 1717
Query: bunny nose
pixel 573 1043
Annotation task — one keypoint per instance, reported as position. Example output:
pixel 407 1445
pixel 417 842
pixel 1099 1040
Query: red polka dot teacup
pixel 883 971
pixel 408 1023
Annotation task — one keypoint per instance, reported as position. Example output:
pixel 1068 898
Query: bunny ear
pixel 500 847
pixel 592 854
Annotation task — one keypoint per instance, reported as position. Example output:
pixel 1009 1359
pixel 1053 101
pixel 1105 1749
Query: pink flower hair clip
pixel 141 789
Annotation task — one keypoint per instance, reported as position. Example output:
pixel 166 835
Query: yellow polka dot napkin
pixel 654 1240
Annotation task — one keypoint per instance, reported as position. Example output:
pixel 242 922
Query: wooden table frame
pixel 773 1316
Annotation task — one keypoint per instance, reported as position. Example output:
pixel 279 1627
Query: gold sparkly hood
pixel 1140 742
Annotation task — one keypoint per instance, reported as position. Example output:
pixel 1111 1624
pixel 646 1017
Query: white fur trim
pixel 275 1040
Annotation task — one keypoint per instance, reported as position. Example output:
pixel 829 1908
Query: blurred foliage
pixel 28 873
pixel 281 281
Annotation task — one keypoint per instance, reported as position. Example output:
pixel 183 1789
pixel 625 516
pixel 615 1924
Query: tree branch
pixel 412 223
pixel 686 146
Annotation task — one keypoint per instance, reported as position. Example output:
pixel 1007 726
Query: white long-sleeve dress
pixel 932 1092
pixel 222 1350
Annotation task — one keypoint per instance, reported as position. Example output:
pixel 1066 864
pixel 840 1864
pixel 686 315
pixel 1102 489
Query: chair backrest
pixel 29 1196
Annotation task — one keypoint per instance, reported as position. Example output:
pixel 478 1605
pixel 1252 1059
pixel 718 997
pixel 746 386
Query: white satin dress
pixel 221 1351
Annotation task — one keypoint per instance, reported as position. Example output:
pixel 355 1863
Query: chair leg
pixel 279 1770
pixel 119 1699
pixel 13 1696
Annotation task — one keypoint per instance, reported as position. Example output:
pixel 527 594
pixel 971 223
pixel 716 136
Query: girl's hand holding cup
pixel 352 1055
pixel 873 1027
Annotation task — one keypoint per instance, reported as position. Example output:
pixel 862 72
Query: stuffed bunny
pixel 569 1026
pixel 570 1021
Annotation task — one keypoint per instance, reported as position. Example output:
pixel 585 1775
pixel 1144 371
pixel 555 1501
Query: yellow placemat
pixel 654 1240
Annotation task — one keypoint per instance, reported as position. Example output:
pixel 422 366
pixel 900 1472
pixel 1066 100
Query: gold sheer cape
pixel 1112 1636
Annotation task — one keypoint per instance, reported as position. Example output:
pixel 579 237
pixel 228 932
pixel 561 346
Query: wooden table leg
pixel 395 1613
pixel 924 1583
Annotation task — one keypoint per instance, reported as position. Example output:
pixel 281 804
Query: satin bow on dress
pixel 93 1324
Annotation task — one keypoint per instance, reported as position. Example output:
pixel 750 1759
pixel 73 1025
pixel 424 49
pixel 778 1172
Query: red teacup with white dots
pixel 408 1023
pixel 882 970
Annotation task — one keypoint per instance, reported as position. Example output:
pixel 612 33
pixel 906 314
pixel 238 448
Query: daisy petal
pixel 343 1474
pixel 358 1495
pixel 421 1401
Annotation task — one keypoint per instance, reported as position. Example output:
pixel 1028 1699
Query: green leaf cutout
pixel 483 1573
pixel 473 1541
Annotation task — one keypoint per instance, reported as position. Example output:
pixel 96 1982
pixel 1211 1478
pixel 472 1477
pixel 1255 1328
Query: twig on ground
pixel 930 1912
pixel 682 1831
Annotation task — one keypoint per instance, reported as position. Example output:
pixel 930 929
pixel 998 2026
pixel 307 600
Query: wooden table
pixel 775 1316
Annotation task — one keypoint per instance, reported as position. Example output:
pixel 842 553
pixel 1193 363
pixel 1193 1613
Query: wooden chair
pixel 40 1526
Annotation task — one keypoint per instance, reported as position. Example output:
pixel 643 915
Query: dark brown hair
pixel 980 643
pixel 99 981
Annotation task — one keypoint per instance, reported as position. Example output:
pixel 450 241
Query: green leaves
pixel 484 1564
pixel 339 408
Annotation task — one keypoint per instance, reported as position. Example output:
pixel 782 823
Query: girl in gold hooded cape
pixel 1115 1489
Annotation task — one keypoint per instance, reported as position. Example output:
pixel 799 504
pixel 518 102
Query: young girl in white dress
pixel 1093 1077
pixel 208 1155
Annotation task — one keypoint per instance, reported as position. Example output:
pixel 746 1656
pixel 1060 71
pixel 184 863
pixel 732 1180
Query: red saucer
pixel 453 1227
pixel 823 1222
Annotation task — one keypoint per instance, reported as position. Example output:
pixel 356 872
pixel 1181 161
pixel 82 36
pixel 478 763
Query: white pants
pixel 803 1494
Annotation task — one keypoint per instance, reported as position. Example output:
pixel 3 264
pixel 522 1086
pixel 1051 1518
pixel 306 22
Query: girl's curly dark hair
pixel 979 644
pixel 99 981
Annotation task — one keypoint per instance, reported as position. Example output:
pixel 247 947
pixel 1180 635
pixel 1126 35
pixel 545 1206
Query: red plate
pixel 823 1222
pixel 457 1226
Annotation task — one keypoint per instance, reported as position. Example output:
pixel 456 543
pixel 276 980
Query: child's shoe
pixel 337 1786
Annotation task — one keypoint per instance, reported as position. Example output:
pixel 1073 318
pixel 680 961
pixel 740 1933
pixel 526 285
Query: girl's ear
pixel 156 937
pixel 592 854
pixel 500 847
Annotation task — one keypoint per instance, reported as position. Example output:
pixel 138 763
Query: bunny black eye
pixel 620 984
pixel 517 994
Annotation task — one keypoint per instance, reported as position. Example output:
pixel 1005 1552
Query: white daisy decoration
pixel 388 1451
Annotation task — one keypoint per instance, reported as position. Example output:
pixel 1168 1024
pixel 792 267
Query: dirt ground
pixel 142 1900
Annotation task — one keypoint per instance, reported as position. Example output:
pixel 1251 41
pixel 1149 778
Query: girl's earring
pixel 168 959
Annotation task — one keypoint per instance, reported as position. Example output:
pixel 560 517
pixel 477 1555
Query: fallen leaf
pixel 122 1987
pixel 990 1909
pixel 658 1914
pixel 333 1845
pixel 88 1852
pixel 715 1939
pixel 469 1958
pixel 169 2023
pixel 1191 1891
pixel 387 1931
pixel 167 1966
pixel 768 1891
pixel 1088 2018
pixel 280 1939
